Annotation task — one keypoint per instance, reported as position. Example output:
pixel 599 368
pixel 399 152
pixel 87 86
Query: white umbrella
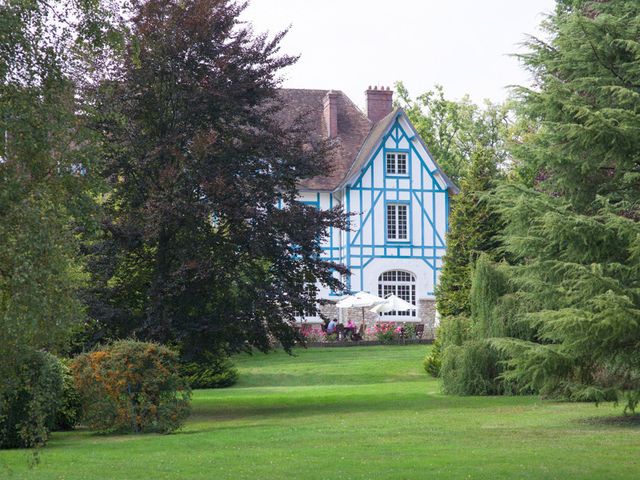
pixel 360 300
pixel 393 303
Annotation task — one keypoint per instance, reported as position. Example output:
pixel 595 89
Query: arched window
pixel 400 283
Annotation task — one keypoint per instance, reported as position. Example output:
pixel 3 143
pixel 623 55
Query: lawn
pixel 352 413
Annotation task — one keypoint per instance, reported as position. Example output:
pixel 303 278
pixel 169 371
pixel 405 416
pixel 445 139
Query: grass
pixel 352 413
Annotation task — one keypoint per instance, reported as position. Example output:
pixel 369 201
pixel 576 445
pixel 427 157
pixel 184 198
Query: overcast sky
pixel 347 45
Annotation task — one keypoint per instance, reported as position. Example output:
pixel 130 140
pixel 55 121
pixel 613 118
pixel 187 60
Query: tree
pixel 205 244
pixel 46 175
pixel 575 238
pixel 473 226
pixel 453 130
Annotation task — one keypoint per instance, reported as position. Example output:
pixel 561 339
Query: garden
pixel 353 413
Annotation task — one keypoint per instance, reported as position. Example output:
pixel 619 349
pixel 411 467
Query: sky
pixel 347 45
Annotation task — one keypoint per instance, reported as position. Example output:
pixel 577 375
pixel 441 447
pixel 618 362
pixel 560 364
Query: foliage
pixel 196 250
pixel 311 333
pixel 47 183
pixel 385 332
pixel 580 275
pixel 451 331
pixel 212 371
pixel 70 408
pixel 472 369
pixel 473 227
pixel 409 331
pixel 433 360
pixel 469 362
pixel 131 386
pixel 586 103
pixel 574 236
pixel 488 284
pixel 454 130
pixel 30 400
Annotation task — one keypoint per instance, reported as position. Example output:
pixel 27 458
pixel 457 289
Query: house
pixel 384 174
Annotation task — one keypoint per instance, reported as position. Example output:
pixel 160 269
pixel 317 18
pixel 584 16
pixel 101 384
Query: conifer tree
pixel 575 239
pixel 473 225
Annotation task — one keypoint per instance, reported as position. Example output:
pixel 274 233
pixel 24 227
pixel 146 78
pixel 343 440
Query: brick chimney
pixel 330 104
pixel 379 103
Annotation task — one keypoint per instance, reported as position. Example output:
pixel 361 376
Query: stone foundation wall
pixel 426 314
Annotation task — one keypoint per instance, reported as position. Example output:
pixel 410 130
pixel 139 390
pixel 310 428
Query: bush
pixel 385 332
pixel 214 371
pixel 70 409
pixel 452 331
pixel 472 369
pixel 409 331
pixel 433 361
pixel 131 386
pixel 28 407
pixel 311 333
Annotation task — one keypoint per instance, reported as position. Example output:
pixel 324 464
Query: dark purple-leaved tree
pixel 204 244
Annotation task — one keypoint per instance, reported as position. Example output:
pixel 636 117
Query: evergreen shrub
pixel 214 371
pixel 131 386
pixel 451 331
pixel 472 369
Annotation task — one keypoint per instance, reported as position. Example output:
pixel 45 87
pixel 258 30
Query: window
pixel 311 291
pixel 396 163
pixel 397 221
pixel 401 284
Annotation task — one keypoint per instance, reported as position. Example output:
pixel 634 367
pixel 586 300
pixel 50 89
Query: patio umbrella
pixel 360 300
pixel 393 303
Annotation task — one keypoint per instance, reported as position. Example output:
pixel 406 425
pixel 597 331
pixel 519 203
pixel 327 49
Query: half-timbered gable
pixel 386 177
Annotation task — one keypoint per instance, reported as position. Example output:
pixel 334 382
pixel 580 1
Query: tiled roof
pixel 357 136
pixel 353 127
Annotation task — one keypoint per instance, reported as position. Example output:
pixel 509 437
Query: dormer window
pixel 396 163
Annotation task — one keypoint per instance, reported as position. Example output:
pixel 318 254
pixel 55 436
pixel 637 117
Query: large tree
pixel 454 129
pixel 576 237
pixel 205 244
pixel 46 180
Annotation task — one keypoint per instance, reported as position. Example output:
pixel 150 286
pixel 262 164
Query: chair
pixel 340 331
pixel 359 335
pixel 419 330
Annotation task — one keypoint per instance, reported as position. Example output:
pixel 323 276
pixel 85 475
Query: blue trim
pixel 348 252
pixel 385 151
pixel 426 215
pixel 393 242
pixel 362 222
pixel 394 189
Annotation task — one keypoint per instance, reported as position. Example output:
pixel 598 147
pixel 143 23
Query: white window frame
pixel 402 284
pixel 394 220
pixel 393 162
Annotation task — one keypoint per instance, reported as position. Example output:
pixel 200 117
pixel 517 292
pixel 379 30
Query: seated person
pixel 325 325
pixel 350 327
pixel 331 328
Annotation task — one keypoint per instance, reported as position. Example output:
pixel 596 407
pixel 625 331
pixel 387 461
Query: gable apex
pixel 375 138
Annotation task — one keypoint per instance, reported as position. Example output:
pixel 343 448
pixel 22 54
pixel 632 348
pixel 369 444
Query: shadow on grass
pixel 304 380
pixel 348 404
pixel 629 421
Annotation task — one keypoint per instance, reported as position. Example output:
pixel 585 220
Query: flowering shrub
pixel 386 332
pixel 132 386
pixel 312 333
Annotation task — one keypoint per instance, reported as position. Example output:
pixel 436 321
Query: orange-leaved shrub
pixel 131 386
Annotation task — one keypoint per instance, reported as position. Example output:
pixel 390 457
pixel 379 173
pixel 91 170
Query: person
pixel 350 328
pixel 331 328
pixel 325 325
